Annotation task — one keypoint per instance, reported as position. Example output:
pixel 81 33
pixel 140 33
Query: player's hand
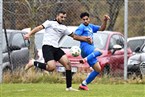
pixel 89 40
pixel 26 36
pixel 106 18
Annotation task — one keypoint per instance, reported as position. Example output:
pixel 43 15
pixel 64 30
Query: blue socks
pixel 94 73
pixel 90 78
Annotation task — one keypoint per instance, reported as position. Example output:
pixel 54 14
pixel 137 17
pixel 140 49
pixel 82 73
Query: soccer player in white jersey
pixel 54 31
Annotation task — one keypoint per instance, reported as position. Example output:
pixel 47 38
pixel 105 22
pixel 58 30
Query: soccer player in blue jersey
pixel 89 53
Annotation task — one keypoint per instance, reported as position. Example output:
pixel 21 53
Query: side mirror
pixel 116 47
pixel 137 49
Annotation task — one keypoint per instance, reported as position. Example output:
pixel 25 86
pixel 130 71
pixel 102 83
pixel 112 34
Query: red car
pixel 112 59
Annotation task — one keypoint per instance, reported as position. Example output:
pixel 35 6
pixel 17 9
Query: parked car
pixel 112 59
pixel 134 42
pixel 136 63
pixel 14 49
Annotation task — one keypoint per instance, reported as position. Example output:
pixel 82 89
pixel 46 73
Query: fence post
pixel 126 35
pixel 1 28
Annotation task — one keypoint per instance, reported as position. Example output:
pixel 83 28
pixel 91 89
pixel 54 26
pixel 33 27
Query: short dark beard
pixel 57 21
pixel 85 24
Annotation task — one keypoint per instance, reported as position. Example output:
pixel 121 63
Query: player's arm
pixel 36 29
pixel 103 26
pixel 81 38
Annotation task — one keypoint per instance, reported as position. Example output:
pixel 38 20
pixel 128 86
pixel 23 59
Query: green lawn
pixel 58 90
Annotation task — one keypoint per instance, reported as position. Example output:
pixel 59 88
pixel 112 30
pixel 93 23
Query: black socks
pixel 40 65
pixel 68 78
pixel 68 73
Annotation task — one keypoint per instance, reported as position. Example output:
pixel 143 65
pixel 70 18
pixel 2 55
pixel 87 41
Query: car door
pixel 117 59
pixel 19 50
pixel 5 52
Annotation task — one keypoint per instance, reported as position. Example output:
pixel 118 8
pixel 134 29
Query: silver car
pixel 136 63
pixel 14 49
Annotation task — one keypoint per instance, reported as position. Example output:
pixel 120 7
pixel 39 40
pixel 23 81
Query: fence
pixel 20 14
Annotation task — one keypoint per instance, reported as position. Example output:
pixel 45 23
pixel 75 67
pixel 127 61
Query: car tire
pixel 106 70
pixel 7 69
pixel 134 75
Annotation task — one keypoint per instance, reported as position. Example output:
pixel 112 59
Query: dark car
pixel 136 63
pixel 15 49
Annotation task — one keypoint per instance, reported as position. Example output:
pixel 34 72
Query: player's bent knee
pixel 50 67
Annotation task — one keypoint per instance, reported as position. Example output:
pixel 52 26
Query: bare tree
pixel 32 6
pixel 114 8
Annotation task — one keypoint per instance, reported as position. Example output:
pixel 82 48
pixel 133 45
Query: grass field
pixel 58 90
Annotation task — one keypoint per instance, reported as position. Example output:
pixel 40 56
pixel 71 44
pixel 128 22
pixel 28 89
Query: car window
pixel 38 40
pixel 116 40
pixel 143 49
pixel 121 41
pixel 135 43
pixel 4 44
pixel 18 40
pixel 100 40
pixel 68 41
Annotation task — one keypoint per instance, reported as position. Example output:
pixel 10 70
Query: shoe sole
pixel 82 89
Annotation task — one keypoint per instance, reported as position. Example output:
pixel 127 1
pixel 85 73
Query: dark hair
pixel 84 14
pixel 63 12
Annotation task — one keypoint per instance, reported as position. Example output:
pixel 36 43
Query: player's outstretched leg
pixel 88 80
pixel 32 63
pixel 69 81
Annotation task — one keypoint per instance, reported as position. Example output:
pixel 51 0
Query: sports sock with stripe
pixel 40 65
pixel 90 78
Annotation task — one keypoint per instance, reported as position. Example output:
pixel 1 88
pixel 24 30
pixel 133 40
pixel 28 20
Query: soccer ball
pixel 75 51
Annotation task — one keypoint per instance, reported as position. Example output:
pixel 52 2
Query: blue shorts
pixel 86 50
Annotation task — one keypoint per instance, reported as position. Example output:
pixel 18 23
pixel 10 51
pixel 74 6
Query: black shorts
pixel 51 53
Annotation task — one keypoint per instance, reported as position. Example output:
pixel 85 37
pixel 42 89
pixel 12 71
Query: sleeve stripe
pixel 43 27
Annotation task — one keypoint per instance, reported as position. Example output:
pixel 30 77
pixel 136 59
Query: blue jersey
pixel 88 31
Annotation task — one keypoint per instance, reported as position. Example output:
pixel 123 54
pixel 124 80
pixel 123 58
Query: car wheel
pixel 7 69
pixel 106 70
pixel 134 75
